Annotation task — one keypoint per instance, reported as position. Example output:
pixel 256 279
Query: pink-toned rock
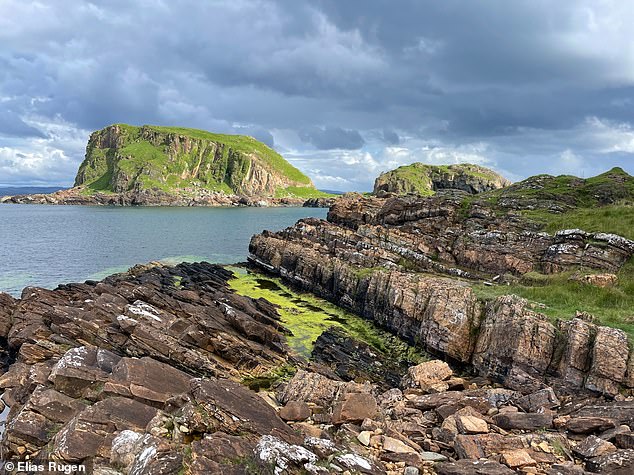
pixel 355 407
pixel 468 424
pixel 517 459
pixel 428 375
pixel 295 411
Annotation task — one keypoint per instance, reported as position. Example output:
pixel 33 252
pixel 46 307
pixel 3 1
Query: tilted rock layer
pixel 362 258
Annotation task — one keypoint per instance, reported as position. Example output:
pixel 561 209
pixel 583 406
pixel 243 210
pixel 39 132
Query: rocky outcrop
pixel 138 374
pixel 170 166
pixel 186 197
pixel 425 179
pixel 122 158
pixel 362 258
pixel 426 428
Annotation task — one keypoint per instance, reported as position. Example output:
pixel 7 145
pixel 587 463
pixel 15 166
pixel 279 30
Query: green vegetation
pixel 563 297
pixel 541 191
pixel 363 272
pixel 413 178
pixel 173 158
pixel 266 381
pixel 616 219
pixel 421 179
pixel 244 144
pixel 308 316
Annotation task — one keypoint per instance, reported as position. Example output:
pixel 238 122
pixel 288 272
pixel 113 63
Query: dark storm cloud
pixel 522 85
pixel 12 125
pixel 390 137
pixel 328 138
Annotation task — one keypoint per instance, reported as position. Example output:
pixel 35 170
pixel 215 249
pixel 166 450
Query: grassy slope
pixel 612 306
pixel 562 297
pixel 150 164
pixel 245 144
pixel 616 219
pixel 419 175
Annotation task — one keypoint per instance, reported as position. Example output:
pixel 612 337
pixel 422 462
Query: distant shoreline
pixel 82 196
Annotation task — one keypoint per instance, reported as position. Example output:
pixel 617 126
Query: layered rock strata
pixel 139 374
pixel 362 258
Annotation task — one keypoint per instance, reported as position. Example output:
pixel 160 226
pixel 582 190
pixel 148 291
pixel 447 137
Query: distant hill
pixel 425 180
pixel 125 158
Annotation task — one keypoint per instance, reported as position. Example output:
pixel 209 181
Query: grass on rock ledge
pixel 612 306
pixel 615 219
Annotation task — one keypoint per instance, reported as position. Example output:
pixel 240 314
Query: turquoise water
pixel 47 245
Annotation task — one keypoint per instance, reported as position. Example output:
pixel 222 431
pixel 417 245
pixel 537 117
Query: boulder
pixel 589 424
pixel 620 462
pixel 295 411
pixel 542 399
pixel 473 467
pixel 593 446
pixel 625 440
pixel 484 445
pixel 524 421
pixel 518 458
pixel 469 424
pixel 428 375
pixel 310 387
pixel 391 444
pixel 355 407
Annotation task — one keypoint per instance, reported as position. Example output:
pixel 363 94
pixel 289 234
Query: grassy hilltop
pixel 123 158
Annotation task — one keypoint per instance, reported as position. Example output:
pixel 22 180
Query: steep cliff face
pixel 435 271
pixel 123 158
pixel 426 179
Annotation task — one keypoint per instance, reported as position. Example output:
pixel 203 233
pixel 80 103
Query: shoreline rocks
pixel 372 257
pixel 185 198
pixel 140 374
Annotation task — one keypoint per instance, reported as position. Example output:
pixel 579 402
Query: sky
pixel 344 90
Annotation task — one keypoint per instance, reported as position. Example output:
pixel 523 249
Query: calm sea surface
pixel 48 245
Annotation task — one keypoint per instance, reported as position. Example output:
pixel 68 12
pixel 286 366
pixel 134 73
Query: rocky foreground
pixel 396 261
pixel 141 374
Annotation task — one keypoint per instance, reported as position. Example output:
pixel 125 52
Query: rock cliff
pixel 425 179
pixel 412 264
pixel 151 165
pixel 124 158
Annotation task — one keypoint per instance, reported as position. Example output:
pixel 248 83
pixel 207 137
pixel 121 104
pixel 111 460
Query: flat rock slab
pixel 523 421
pixel 355 407
pixel 474 467
pixel 593 446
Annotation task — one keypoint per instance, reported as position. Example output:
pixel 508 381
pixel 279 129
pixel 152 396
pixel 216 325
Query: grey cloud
pixel 521 77
pixel 12 125
pixel 390 137
pixel 258 133
pixel 328 138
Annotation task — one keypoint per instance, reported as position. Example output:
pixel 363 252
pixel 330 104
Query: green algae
pixel 308 317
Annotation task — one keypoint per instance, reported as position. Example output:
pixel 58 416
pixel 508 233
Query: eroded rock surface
pixel 406 263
